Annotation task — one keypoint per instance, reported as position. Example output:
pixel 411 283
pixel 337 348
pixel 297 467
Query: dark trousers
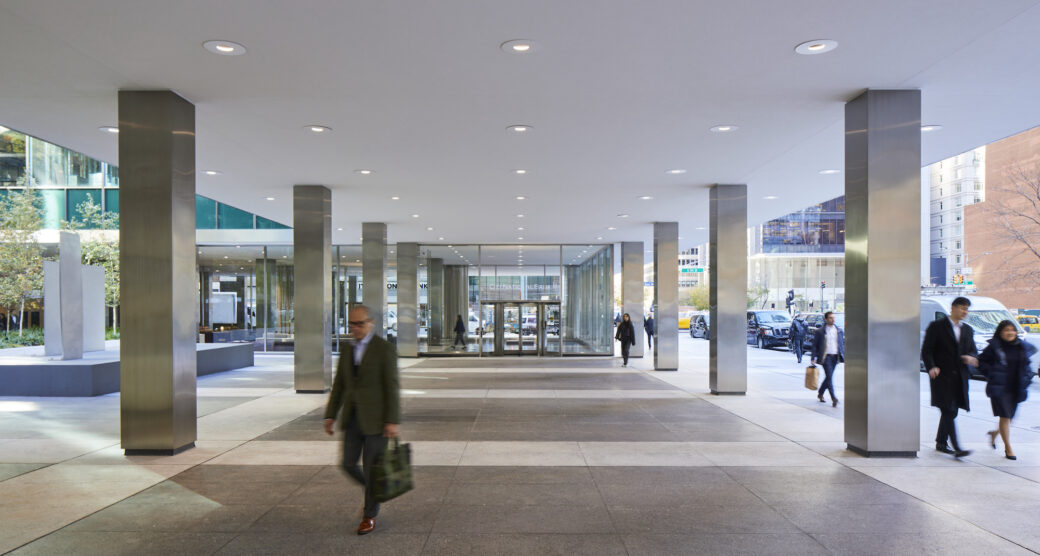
pixel 798 347
pixel 459 339
pixel 829 362
pixel 366 447
pixel 947 431
pixel 625 347
pixel 650 339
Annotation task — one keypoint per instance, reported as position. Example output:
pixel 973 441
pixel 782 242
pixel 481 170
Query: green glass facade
pixel 65 179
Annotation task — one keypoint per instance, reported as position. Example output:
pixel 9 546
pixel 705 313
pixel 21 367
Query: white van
pixel 984 315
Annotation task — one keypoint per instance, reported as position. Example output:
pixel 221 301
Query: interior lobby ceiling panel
pixel 617 92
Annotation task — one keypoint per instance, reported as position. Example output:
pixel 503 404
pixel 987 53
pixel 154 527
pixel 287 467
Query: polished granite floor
pixel 550 456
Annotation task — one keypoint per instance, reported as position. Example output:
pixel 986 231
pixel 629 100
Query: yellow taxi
pixel 1030 323
pixel 684 319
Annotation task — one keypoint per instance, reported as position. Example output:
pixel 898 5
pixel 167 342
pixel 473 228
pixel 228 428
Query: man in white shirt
pixel 829 350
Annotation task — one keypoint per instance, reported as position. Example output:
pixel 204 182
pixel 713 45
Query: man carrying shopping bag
pixel 368 392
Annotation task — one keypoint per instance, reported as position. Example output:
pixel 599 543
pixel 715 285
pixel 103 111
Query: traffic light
pixel 823 284
pixel 790 298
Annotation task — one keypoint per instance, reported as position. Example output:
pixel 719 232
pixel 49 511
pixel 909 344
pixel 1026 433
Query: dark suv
pixel 768 329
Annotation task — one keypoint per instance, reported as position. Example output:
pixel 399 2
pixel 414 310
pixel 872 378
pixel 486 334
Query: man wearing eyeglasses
pixel 366 397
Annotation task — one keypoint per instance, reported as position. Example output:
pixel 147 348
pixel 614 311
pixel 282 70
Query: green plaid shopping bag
pixel 392 474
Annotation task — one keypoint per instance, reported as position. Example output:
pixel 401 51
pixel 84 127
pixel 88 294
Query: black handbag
pixel 392 473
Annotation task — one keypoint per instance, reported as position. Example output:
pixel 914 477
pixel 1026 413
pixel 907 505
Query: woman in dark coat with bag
pixel 626 334
pixel 1005 362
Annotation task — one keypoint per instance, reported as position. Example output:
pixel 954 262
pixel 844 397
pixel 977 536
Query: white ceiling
pixel 618 92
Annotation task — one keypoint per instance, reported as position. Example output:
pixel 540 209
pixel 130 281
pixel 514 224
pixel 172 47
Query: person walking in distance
pixel 366 399
pixel 1005 362
pixel 829 350
pixel 648 326
pixel 460 333
pixel 626 334
pixel 798 330
pixel 947 350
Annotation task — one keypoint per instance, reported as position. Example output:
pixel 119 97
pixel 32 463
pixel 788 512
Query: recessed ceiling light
pixel 429 228
pixel 415 216
pixel 440 238
pixel 817 46
pixel 520 237
pixel 701 228
pixel 519 172
pixel 520 197
pixel 518 46
pixel 109 129
pixel 521 228
pixel 269 198
pixel 212 173
pixel 829 172
pixel 599 238
pixel 726 128
pixel 611 228
pixel 622 216
pixel 314 128
pixel 677 171
pixel 224 48
pixel 339 229
pixel 363 172
pixel 931 127
pixel 519 216
pixel 395 198
pixel 770 197
pixel 519 128
pixel 645 198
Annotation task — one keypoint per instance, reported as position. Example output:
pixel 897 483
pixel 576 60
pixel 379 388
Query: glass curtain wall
pixel 245 295
pixel 448 277
pixel 588 299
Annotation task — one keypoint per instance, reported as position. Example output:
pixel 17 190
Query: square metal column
pixel 666 296
pixel 157 258
pixel 373 273
pixel 435 302
pixel 882 283
pixel 312 283
pixel 408 299
pixel 632 291
pixel 727 254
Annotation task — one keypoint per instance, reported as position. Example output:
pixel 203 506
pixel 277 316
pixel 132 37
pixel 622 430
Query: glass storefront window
pixel 12 158
pixel 84 171
pixel 111 176
pixel 228 294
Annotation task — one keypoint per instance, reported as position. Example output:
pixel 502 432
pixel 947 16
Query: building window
pixel 958 246
pixel 958 259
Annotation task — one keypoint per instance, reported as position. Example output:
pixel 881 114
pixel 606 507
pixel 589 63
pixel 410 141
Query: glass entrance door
pixel 550 332
pixel 529 328
pixel 511 329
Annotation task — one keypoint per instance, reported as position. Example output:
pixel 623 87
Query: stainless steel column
pixel 435 302
pixel 882 285
pixel 666 296
pixel 312 287
pixel 408 299
pixel 456 297
pixel 727 253
pixel 632 291
pixel 157 258
pixel 373 272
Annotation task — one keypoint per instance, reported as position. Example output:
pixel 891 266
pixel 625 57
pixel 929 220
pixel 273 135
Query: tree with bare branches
pixel 1013 206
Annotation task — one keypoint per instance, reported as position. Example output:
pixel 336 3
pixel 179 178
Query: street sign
pixel 693 269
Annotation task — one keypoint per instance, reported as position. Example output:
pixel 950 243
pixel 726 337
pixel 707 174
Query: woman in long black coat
pixel 626 334
pixel 1005 362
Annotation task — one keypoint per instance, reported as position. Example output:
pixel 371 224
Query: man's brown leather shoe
pixel 367 525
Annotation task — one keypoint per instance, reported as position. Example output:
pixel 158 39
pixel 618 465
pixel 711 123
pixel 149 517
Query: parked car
pixel 768 329
pixel 1030 323
pixel 983 317
pixel 700 326
pixel 684 319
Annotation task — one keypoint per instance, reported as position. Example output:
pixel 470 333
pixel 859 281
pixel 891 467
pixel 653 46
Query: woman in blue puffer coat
pixel 1005 362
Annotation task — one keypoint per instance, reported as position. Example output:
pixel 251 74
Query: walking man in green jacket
pixel 366 398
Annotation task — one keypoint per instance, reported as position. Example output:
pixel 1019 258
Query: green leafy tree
pixel 21 261
pixel 700 298
pixel 756 295
pixel 98 249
